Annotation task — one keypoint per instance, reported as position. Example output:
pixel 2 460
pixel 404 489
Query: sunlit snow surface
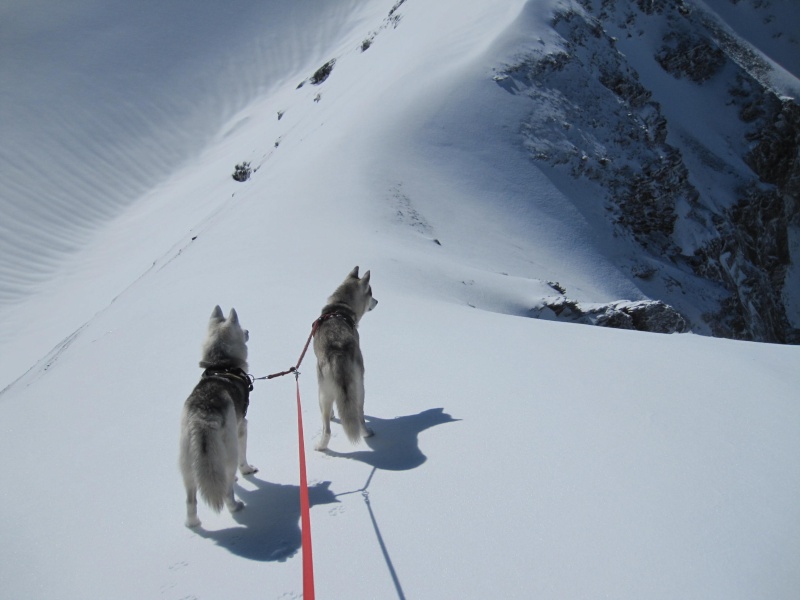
pixel 513 457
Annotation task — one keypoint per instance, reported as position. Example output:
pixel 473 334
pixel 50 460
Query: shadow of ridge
pixel 395 445
pixel 270 520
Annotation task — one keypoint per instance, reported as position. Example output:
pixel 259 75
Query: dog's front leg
pixel 244 467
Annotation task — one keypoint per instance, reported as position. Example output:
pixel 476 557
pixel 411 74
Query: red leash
pixel 305 513
pixel 305 505
pixel 295 368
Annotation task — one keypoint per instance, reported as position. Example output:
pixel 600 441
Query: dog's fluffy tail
pixel 348 395
pixel 203 460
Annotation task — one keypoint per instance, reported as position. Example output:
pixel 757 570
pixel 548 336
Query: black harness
pixel 235 375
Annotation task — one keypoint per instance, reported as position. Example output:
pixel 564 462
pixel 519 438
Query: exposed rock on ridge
pixel 723 218
pixel 646 315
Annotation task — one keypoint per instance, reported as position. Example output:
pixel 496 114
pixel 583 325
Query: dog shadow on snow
pixel 270 519
pixel 395 445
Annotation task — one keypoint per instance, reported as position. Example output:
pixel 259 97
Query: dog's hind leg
pixel 244 467
pixel 189 482
pixel 365 431
pixel 191 507
pixel 326 409
pixel 231 502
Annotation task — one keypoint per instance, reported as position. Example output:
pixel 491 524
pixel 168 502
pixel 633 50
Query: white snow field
pixel 513 457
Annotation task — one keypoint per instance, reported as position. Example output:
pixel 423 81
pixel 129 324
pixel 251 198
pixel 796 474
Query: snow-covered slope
pixel 102 100
pixel 513 457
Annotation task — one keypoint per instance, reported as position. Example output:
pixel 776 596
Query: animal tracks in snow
pixel 405 212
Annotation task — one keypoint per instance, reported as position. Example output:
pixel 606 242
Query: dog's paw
pixel 192 522
pixel 367 432
pixel 322 444
pixel 237 506
pixel 247 469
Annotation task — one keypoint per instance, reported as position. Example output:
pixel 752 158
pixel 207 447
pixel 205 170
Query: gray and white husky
pixel 213 425
pixel 340 365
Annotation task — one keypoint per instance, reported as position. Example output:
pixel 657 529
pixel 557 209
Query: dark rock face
pixel 323 72
pixel 750 256
pixel 609 130
pixel 692 57
pixel 777 139
pixel 648 315
pixel 241 172
pixel 721 217
pixel 752 250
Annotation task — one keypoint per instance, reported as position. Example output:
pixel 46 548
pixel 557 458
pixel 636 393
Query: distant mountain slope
pixel 102 101
pixel 686 136
pixel 669 128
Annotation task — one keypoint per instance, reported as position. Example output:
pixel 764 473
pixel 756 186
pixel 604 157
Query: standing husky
pixel 213 427
pixel 340 366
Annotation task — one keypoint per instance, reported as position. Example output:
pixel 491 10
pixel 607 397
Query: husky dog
pixel 340 366
pixel 213 424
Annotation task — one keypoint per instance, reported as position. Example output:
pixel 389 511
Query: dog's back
pixel 340 372
pixel 208 441
pixel 213 426
pixel 340 365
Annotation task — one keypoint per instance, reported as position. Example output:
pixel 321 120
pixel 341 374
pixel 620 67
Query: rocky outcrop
pixel 597 119
pixel 690 56
pixel 646 315
pixel 750 256
pixel 241 172
pixel 595 116
pixel 752 250
pixel 776 139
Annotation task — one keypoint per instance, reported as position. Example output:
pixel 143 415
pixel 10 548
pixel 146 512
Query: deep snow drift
pixel 513 457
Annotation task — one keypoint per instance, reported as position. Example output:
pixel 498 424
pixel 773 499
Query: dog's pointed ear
pixel 233 317
pixel 365 279
pixel 216 315
pixel 354 273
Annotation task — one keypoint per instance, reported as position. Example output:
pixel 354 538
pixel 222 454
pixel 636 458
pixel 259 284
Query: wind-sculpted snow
pixel 100 102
